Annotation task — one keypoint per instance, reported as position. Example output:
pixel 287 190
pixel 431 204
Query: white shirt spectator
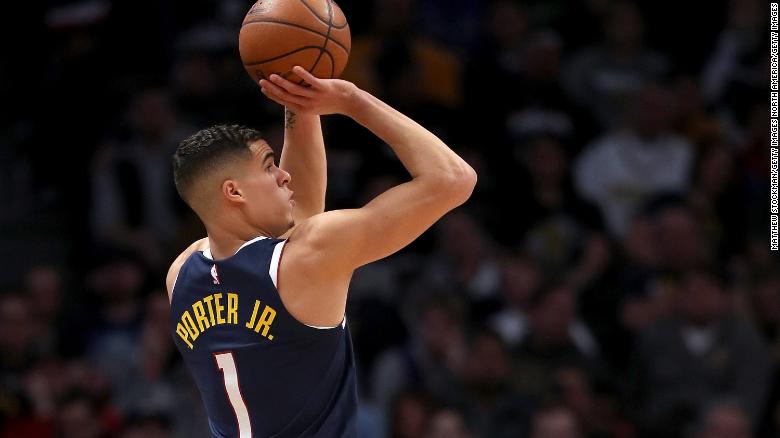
pixel 620 171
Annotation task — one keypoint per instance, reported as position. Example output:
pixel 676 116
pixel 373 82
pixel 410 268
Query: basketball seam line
pixel 325 44
pixel 263 61
pixel 320 18
pixel 287 23
pixel 263 75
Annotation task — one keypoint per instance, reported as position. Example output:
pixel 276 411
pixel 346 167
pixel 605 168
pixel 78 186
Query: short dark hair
pixel 208 149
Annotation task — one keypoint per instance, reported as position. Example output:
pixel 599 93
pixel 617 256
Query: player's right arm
pixel 325 249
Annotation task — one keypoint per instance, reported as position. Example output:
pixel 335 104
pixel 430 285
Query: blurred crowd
pixel 610 278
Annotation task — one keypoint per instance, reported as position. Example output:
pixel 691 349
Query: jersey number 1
pixel 227 365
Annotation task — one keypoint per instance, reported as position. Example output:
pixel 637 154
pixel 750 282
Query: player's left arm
pixel 303 157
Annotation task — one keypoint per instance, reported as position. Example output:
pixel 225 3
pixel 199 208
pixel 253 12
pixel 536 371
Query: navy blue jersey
pixel 261 372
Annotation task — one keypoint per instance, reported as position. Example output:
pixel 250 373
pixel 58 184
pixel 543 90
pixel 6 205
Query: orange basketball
pixel 279 34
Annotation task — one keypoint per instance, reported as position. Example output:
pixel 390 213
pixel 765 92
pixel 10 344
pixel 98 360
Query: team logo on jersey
pixel 215 274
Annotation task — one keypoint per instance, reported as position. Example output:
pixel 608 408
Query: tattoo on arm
pixel 289 119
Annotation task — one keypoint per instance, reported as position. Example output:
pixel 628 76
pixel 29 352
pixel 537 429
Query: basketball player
pixel 257 307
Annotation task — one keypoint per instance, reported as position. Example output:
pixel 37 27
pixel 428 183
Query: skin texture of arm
pixel 303 157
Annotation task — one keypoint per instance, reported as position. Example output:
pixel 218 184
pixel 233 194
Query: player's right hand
pixel 321 97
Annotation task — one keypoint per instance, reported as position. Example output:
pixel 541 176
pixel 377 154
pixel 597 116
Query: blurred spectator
pixel 641 284
pixel 693 118
pixel 107 331
pixel 495 408
pixel 555 422
pixel 43 286
pixel 520 280
pixel 622 169
pixel 133 203
pixel 644 289
pixel 557 338
pixel 147 387
pixel 605 78
pixel 79 416
pixel 541 106
pixel 17 337
pixel 701 353
pixel 724 421
pixel 562 231
pixel 765 295
pixel 448 423
pixel 466 261
pixel 494 69
pixel 716 198
pixel 431 361
pixel 594 402
pixel 209 82
pixel 398 63
pixel 409 415
pixel 18 414
pixel 678 235
pixel 664 240
pixel 578 21
pixel 454 24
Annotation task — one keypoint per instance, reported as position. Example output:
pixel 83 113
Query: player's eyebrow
pixel 269 154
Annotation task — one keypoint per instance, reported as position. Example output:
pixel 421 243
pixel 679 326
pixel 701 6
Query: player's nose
pixel 284 178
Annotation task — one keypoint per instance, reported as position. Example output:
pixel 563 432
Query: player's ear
pixel 231 191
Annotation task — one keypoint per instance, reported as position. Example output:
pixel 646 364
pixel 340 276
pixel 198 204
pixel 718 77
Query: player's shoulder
pixel 325 226
pixel 323 244
pixel 173 271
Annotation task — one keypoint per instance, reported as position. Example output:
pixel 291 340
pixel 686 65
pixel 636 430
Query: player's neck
pixel 223 244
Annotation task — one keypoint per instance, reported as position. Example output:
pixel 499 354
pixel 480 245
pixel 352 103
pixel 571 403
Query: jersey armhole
pixel 276 257
pixel 273 271
pixel 173 286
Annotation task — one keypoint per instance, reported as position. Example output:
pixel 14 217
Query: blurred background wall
pixel 610 276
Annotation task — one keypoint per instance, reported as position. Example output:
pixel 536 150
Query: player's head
pixel 226 173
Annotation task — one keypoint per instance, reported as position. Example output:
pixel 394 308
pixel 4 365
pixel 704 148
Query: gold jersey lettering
pixel 263 321
pixel 222 308
pixel 232 308
pixel 207 300
pixel 200 315
pixel 190 328
pixel 219 308
pixel 182 332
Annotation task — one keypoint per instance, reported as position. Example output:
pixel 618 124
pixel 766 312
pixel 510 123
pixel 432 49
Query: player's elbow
pixel 459 184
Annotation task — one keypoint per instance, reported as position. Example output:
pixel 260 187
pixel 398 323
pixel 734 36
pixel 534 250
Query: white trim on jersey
pixel 273 269
pixel 343 324
pixel 173 286
pixel 207 251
